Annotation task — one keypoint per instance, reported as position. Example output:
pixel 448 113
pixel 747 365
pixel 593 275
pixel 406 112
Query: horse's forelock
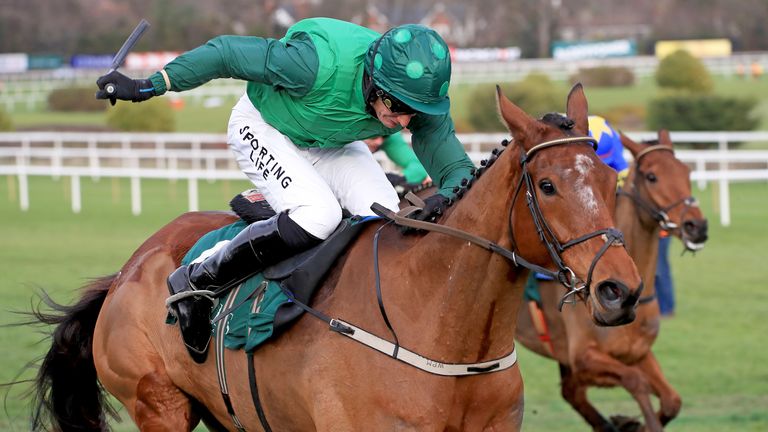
pixel 559 121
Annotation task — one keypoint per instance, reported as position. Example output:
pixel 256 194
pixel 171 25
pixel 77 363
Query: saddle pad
pixel 258 300
pixel 252 322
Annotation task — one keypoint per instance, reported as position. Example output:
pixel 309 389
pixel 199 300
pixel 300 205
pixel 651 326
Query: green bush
pixel 154 115
pixel 5 121
pixel 604 76
pixel 687 112
pixel 535 94
pixel 682 71
pixel 75 99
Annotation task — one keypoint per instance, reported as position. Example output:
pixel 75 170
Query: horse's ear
pixel 517 121
pixel 664 138
pixel 630 145
pixel 577 109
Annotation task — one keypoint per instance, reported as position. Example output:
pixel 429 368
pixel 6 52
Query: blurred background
pixel 84 183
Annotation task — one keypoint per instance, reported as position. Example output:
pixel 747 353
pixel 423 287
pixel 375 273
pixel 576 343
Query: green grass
pixel 713 351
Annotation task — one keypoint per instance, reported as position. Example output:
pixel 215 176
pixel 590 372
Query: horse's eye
pixel 651 177
pixel 547 187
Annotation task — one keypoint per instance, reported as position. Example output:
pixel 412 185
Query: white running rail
pixel 195 157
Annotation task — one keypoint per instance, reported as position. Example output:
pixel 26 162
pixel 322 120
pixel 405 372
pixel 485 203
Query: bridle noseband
pixel 564 274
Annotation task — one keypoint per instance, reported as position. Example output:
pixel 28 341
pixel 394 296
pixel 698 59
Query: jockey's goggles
pixel 393 104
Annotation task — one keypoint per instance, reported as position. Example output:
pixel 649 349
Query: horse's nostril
pixel 696 230
pixel 689 226
pixel 609 292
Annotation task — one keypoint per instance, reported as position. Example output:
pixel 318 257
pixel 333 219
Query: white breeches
pixel 312 184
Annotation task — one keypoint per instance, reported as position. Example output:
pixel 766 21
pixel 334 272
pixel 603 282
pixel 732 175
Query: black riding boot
pixel 256 247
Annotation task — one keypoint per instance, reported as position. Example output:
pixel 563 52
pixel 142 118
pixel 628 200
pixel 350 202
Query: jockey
pixel 609 146
pixel 310 98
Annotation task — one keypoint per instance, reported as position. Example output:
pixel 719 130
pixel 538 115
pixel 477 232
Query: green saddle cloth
pixel 252 322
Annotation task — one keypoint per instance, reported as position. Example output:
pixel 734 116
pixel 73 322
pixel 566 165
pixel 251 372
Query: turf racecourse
pixel 713 351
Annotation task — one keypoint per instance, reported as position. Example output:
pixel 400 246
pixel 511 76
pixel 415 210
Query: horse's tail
pixel 67 394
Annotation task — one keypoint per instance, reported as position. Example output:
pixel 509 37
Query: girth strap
pixel 255 393
pixel 221 371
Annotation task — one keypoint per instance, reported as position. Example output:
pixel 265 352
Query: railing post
pixel 160 153
pixel 93 158
pixel 725 196
pixel 23 190
pixel 192 192
pixel 76 197
pixel 701 166
pixel 135 194
pixel 136 189
pixel 210 168
pixel 195 153
pixel 56 159
pixel 21 166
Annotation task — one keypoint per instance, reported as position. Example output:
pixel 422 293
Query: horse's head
pixel 660 185
pixel 561 216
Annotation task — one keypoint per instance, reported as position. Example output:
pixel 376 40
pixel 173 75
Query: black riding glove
pixel 434 206
pixel 135 90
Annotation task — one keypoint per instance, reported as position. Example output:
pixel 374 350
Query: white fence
pixel 195 157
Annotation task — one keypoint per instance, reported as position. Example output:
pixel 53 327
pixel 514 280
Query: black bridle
pixel 659 214
pixel 555 248
pixel 564 274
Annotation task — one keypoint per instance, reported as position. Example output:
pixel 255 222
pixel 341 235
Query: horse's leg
pixel 126 354
pixel 606 369
pixel 670 402
pixel 576 395
pixel 138 379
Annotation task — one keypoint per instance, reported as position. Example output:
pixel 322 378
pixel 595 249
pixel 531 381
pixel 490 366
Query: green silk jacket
pixel 309 86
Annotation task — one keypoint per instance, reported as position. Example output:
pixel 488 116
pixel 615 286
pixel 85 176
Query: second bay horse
pixel 447 299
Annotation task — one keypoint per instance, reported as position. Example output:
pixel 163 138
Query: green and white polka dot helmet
pixel 412 63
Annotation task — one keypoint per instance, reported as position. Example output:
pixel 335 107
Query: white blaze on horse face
pixel 583 164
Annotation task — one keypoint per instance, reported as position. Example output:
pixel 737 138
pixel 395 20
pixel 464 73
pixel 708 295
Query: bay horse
pixel 446 298
pixel 656 195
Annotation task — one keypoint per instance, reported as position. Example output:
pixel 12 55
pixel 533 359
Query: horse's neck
pixel 467 292
pixel 641 236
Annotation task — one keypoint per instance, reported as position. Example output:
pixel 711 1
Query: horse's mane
pixel 466 184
